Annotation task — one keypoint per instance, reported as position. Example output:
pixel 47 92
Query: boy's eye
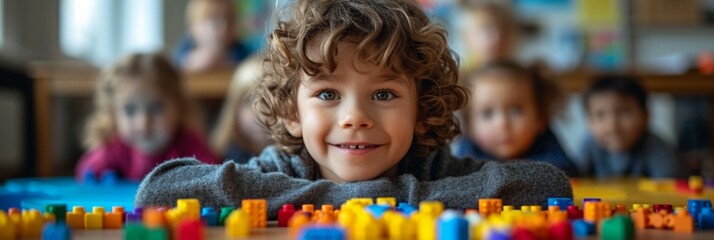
pixel 327 95
pixel 486 113
pixel 383 95
pixel 516 111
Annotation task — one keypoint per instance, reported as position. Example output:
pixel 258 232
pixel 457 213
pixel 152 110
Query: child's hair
pixel 548 95
pixel 240 94
pixel 619 84
pixel 199 9
pixel 395 35
pixel 153 69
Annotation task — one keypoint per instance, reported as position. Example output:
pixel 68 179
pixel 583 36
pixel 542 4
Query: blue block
pixel 452 226
pixel 377 210
pixel 89 177
pixel 406 208
pixel 209 216
pixel 563 203
pixel 581 228
pixel 56 231
pixel 695 206
pixel 109 178
pixel 706 219
pixel 322 233
pixel 498 235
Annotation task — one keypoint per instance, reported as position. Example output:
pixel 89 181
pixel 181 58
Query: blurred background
pixel 51 52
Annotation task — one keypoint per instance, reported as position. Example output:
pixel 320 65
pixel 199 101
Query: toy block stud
pixel 618 228
pixel 59 210
pixel 238 224
pixel 190 229
pixel 563 203
pixel 296 222
pixel 574 212
pixel 389 201
pixel 488 206
pixel 75 218
pixel 94 220
pixel 225 211
pixel 56 231
pixel 309 209
pixel 257 212
pixel 284 214
pixel 209 216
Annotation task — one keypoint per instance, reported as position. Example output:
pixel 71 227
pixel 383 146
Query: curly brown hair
pixel 394 35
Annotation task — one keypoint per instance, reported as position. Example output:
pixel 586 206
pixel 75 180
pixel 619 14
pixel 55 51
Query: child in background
pixel 211 44
pixel 509 116
pixel 238 134
pixel 359 96
pixel 141 118
pixel 621 144
pixel 489 33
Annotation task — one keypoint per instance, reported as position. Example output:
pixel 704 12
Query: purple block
pixel 133 217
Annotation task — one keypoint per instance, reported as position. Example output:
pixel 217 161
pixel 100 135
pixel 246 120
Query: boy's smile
pixel 358 121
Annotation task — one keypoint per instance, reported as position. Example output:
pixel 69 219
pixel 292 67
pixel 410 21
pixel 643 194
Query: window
pixel 101 31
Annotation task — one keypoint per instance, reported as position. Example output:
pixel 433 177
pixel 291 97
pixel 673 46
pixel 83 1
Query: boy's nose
pixel 355 117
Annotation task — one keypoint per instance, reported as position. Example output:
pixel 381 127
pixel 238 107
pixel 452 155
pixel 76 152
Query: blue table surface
pixel 29 193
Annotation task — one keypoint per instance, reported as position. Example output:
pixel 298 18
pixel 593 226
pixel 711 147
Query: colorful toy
pixel 257 212
pixel 618 227
pixel 56 231
pixel 284 214
pixel 238 224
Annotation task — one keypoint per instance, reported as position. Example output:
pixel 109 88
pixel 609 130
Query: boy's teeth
pixel 355 146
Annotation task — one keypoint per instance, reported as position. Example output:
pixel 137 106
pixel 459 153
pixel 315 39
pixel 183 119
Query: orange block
pixel 257 212
pixel 488 206
pixel 596 211
pixel 683 222
pixel 621 209
pixel 153 218
pixel 296 223
pixel 641 218
pixel 657 220
pixel 113 220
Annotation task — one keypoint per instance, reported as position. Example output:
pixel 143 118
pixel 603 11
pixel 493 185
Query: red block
pixel 574 212
pixel 560 231
pixel 520 233
pixel 658 207
pixel 284 214
pixel 190 229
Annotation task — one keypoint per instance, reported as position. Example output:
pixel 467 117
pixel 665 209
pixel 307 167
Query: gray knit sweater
pixel 290 179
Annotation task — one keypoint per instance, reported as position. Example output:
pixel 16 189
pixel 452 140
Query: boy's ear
pixel 294 128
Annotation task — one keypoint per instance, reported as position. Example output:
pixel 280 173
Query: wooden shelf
pixel 687 84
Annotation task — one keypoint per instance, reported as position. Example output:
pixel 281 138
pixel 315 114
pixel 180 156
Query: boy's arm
pixel 517 183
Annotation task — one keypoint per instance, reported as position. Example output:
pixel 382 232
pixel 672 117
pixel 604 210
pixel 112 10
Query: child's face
pixel 616 121
pixel 214 30
pixel 371 109
pixel 146 119
pixel 504 117
pixel 484 36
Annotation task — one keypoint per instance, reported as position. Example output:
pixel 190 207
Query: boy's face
pixel 504 117
pixel 145 118
pixel 357 125
pixel 616 121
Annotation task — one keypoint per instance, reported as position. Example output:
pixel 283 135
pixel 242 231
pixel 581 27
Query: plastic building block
pixel 31 224
pixel 328 210
pixel 209 216
pixel 59 210
pixel 683 222
pixel 257 210
pixel 560 231
pixel 109 178
pixel 582 228
pixel 452 226
pixel 56 231
pixel 309 209
pixel 640 218
pixel 617 228
pixel 75 218
pixel 590 200
pixel 156 234
pixel 563 203
pixel 133 217
pixel 134 231
pixel 298 220
pixel 706 218
pixel 621 210
pixel 658 220
pixel 595 211
pixel 398 226
pixel 367 227
pixel 7 227
pixel 113 220
pixel 322 233
pixel 406 208
pixel 656 185
pixel 377 210
pixel 154 218
pixel 225 211
pixel 120 210
pixel 389 201
pixel 431 208
pixel 191 206
pixel 238 224
pixel 94 220
pixel 284 214
pixel 555 215
pixel 694 206
pixel 190 229
pixel 660 207
pixel 488 206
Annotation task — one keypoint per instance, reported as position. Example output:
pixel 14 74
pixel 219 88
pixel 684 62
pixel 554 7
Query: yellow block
pixel 238 224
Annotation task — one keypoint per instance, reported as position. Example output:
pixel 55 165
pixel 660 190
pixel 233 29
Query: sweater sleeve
pixel 516 183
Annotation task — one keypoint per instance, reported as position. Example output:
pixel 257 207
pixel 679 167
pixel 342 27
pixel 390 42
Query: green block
pixel 618 228
pixel 135 231
pixel 156 234
pixel 225 211
pixel 59 210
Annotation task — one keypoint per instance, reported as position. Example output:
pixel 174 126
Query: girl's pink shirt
pixel 132 164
